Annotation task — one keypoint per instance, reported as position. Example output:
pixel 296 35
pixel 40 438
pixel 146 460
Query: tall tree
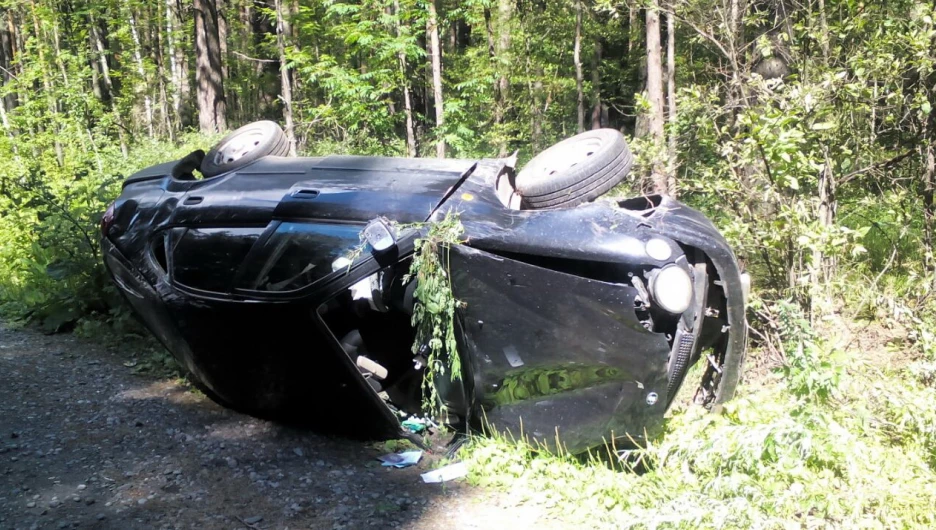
pixel 407 98
pixel 577 59
pixel 209 74
pixel 282 31
pixel 7 58
pixel 671 97
pixel 655 91
pixel 503 61
pixel 596 117
pixel 435 54
pixel 179 41
pixel 141 70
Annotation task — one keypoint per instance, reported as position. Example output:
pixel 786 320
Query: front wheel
pixel 576 170
pixel 244 146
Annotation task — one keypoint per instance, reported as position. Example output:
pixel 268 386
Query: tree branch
pixel 876 165
pixel 702 33
pixel 242 56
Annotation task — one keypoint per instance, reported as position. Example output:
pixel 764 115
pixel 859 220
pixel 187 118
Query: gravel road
pixel 86 443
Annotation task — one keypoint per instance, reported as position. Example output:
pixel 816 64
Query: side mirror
pixel 379 235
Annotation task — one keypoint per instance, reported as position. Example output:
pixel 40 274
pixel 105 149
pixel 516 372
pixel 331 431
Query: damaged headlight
pixel 671 288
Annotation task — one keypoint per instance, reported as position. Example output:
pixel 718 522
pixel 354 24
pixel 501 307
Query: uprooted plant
pixel 434 310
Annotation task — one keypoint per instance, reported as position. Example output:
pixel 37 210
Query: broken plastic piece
pixel 372 366
pixel 444 474
pixel 400 460
pixel 415 425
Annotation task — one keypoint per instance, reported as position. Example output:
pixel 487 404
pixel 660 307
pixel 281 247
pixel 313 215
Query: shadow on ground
pixel 86 443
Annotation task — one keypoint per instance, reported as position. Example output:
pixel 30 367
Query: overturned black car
pixel 578 319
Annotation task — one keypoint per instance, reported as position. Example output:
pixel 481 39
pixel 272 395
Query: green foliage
pixel 435 307
pixel 51 271
pixel 861 459
pixel 809 371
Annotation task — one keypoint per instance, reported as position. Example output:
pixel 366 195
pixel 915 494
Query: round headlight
pixel 659 249
pixel 672 289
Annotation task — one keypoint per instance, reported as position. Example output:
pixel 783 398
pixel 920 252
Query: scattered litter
pixel 400 460
pixel 414 425
pixel 443 474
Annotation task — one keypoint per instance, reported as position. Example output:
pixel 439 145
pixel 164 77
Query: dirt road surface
pixel 86 443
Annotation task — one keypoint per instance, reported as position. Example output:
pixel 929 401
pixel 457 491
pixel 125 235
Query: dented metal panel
pixel 550 350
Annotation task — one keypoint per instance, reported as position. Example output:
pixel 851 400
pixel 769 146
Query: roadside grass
pixel 833 443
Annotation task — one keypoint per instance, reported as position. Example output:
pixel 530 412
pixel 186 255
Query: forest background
pixel 803 128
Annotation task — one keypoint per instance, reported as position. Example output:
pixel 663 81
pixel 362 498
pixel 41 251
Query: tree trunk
pixel 929 188
pixel 432 28
pixel 596 86
pixel 174 67
pixel 407 101
pixel 535 86
pixel 99 44
pixel 671 99
pixel 56 41
pixel 268 78
pixel 209 76
pixel 184 88
pixel 577 59
pixel 502 53
pixel 282 30
pixel 489 30
pixel 157 55
pixel 821 268
pixel 99 37
pixel 929 210
pixel 7 56
pixel 823 31
pixel 222 37
pixel 655 92
pixel 47 85
pixel 147 101
pixel 632 28
pixel 96 87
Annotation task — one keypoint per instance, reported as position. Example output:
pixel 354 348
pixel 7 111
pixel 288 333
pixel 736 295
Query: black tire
pixel 576 170
pixel 244 146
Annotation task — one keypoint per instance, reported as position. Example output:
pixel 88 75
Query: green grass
pixel 781 455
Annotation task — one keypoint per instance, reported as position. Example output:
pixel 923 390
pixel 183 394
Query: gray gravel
pixel 86 443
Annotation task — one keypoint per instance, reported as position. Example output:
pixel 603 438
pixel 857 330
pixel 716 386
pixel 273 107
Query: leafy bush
pixel 51 271
pixel 861 458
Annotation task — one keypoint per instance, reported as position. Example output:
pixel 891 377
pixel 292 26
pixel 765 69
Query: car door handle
pixel 305 193
pixel 189 201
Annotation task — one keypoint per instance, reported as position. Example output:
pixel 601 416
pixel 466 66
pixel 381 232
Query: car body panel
pixel 544 345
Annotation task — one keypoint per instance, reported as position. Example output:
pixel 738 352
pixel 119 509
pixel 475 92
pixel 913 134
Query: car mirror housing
pixel 379 236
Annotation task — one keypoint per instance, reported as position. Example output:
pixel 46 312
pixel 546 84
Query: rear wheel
pixel 245 145
pixel 576 170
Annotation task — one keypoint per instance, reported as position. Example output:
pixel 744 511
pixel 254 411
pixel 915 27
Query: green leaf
pixel 59 270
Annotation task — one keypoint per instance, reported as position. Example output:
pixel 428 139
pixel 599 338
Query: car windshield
pixel 299 254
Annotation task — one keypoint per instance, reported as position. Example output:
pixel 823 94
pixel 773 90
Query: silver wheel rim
pixel 238 147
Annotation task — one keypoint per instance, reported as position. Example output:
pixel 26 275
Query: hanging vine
pixel 434 311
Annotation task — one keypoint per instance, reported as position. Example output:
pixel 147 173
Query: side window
pixel 298 255
pixel 207 258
